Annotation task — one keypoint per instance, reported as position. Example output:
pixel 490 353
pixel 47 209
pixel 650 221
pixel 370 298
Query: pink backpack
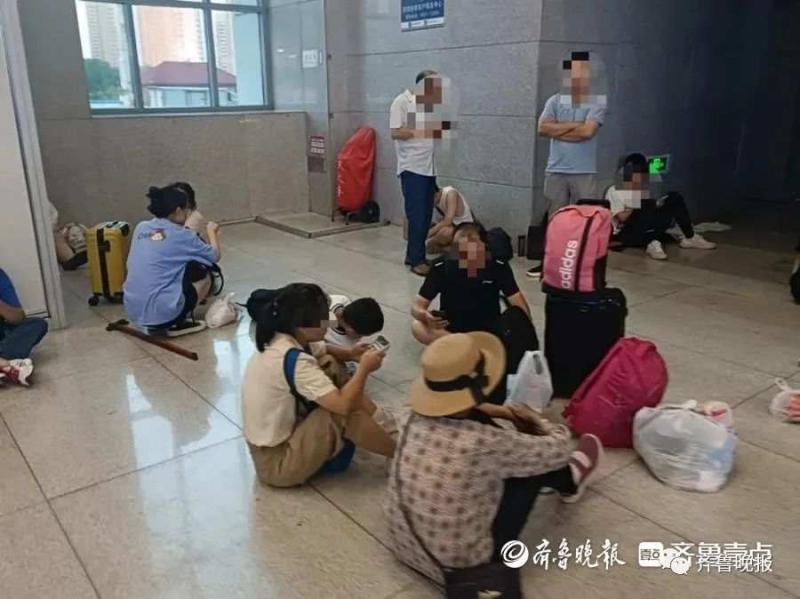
pixel 576 249
pixel 631 376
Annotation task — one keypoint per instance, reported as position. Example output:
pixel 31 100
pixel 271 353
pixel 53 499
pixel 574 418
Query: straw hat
pixel 458 372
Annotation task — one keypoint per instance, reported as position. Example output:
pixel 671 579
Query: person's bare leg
pixel 441 242
pixel 424 334
pixel 203 288
pixel 63 251
pixel 367 434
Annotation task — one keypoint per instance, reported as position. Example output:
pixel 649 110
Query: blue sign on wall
pixel 421 14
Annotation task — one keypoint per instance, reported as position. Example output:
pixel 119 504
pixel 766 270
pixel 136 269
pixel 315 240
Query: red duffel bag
pixel 354 168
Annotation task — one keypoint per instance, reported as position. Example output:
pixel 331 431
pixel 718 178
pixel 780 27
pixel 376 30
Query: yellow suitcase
pixel 107 245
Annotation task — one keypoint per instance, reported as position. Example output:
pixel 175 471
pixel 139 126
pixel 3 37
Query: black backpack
pixel 794 285
pixel 369 213
pixel 499 244
pixel 518 335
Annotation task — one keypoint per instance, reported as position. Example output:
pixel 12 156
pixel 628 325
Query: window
pixel 156 55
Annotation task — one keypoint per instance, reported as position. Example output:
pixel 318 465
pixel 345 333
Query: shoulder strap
pixel 302 405
pixel 399 485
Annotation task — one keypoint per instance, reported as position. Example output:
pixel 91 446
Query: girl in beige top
pixel 293 433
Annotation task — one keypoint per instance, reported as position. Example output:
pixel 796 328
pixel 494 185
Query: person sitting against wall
pixel 169 267
pixel 470 285
pixel 296 421
pixel 460 486
pixel 69 241
pixel 19 334
pixel 640 221
pixel 453 210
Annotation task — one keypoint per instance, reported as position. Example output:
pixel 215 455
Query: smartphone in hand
pixel 381 344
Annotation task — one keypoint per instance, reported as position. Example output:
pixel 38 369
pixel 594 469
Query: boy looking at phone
pixel 353 325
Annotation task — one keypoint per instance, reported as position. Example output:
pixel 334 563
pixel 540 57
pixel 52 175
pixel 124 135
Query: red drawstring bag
pixel 354 168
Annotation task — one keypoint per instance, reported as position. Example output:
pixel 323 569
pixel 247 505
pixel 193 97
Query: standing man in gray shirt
pixel 571 120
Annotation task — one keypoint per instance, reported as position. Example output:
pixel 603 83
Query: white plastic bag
pixel 779 404
pixel 223 311
pixel 532 384
pixel 686 446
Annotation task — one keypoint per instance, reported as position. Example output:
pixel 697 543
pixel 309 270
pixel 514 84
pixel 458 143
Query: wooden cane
pixel 123 327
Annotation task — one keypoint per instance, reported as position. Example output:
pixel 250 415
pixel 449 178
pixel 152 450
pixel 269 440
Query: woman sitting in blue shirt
pixel 169 266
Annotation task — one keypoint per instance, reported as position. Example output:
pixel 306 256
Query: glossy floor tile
pixel 138 451
pixel 36 560
pixel 83 429
pixel 202 526
pixel 756 425
pixel 18 488
pixel 759 504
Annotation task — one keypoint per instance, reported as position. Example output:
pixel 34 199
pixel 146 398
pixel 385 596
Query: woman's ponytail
pixel 294 306
pixel 267 324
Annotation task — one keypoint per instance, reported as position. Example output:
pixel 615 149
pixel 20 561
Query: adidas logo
pixel 567 268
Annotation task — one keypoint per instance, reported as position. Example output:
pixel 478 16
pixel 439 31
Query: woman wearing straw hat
pixel 461 486
pixel 296 421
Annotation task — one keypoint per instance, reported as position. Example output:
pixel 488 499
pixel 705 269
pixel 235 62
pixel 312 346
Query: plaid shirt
pixel 452 472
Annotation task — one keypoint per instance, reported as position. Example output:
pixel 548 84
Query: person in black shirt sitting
pixel 470 283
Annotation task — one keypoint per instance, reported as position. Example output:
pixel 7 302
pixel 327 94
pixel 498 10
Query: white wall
pixel 19 256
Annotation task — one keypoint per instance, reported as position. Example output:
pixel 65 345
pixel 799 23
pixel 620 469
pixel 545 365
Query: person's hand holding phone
pixel 358 350
pixel 371 360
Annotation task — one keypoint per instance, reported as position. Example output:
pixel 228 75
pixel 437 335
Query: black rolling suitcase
pixel 579 331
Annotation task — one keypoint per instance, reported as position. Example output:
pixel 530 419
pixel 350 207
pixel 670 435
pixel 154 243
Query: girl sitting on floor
pixel 296 421
pixel 169 267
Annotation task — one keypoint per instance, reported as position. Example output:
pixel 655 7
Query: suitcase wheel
pixel 94 300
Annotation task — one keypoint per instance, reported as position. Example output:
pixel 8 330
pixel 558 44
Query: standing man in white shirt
pixel 416 165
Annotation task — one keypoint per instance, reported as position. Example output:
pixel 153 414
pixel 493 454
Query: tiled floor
pixel 123 472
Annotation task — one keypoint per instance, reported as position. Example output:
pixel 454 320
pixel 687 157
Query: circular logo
pixel 514 554
pixel 681 565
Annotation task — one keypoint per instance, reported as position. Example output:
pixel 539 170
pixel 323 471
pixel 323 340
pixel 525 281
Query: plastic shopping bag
pixel 785 406
pixel 532 384
pixel 685 446
pixel 223 311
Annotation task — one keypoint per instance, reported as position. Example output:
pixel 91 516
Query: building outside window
pixel 142 55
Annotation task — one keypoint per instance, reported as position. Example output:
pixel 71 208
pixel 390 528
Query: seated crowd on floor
pixel 460 485
pixel 464 468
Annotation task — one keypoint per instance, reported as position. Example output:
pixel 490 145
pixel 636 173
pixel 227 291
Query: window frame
pixel 207 7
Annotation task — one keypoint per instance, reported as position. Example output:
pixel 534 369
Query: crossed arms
pixel 574 132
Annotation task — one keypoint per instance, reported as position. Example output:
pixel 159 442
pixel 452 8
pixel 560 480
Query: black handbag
pixel 492 580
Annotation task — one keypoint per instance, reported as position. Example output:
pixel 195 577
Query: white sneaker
pixel 676 233
pixel 698 242
pixel 18 371
pixel 187 327
pixel 655 250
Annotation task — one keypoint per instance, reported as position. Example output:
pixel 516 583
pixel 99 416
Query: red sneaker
pixel 584 462
pixel 18 372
